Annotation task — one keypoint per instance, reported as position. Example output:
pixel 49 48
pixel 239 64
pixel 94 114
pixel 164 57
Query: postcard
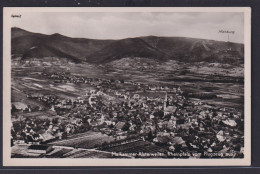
pixel 127 86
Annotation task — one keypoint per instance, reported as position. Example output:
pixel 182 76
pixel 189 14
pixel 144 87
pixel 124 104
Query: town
pixel 123 119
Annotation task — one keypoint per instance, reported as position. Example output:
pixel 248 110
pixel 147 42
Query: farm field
pixel 91 154
pixel 21 151
pixel 195 78
pixel 217 79
pixel 137 147
pixel 77 153
pixel 85 140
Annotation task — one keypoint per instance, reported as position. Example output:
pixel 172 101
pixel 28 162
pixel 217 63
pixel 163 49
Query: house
pixel 100 93
pixel 59 135
pixel 147 128
pixel 108 122
pixel 35 137
pixel 76 121
pixel 153 88
pixel 120 125
pixel 20 105
pixel 179 90
pixel 93 91
pixel 230 122
pixel 19 140
pixel 92 100
pixel 55 128
pixel 121 137
pixel 80 100
pixel 169 110
pixel 132 127
pixel 46 136
pixel 171 124
pixel 220 136
pixel 161 139
pixel 118 93
pixel 136 96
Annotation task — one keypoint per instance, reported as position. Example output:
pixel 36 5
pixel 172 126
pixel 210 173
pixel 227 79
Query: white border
pixel 8 161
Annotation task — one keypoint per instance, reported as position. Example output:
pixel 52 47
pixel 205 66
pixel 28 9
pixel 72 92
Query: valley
pixel 145 97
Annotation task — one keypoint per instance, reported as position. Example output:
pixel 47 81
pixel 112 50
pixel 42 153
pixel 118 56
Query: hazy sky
pixel 125 24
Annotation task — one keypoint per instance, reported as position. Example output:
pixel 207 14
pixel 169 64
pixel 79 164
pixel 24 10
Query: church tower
pixel 165 102
pixel 167 109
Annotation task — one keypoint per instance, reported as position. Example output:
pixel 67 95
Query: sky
pixel 111 25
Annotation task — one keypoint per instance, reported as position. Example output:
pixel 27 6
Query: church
pixel 167 109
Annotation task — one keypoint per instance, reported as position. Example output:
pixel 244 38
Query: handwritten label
pixel 226 31
pixel 16 16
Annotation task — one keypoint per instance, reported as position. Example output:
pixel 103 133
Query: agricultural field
pixel 137 147
pixel 224 80
pixel 76 153
pixel 85 140
pixel 90 154
pixel 21 151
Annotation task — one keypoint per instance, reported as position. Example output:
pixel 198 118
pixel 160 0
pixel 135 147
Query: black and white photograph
pixel 127 86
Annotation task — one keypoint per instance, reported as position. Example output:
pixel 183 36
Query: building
pixel 46 136
pixel 120 125
pixel 166 108
pixel 20 106
pixel 136 96
pixel 92 99
pixel 19 140
pixel 39 149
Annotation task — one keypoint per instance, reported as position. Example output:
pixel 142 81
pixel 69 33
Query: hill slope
pixel 196 50
pixel 27 44
pixel 131 47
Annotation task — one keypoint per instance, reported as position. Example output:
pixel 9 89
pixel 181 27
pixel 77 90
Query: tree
pixel 159 114
pixel 55 120
pixel 64 135
pixel 23 134
pixel 150 136
pixel 13 133
pixel 104 144
pixel 156 124
pixel 13 108
pixel 214 114
pixel 111 126
pixel 126 127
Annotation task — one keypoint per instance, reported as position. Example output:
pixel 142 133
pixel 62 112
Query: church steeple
pixel 167 107
pixel 165 101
